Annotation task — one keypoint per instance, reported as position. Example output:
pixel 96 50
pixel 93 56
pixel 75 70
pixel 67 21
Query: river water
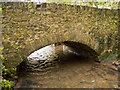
pixel 73 72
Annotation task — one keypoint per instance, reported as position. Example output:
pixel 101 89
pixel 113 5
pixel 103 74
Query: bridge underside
pixel 26 29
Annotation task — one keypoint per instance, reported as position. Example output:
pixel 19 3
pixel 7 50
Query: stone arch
pixel 86 25
pixel 80 50
pixel 71 37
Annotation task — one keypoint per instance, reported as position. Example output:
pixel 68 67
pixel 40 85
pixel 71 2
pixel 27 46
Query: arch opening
pixel 58 52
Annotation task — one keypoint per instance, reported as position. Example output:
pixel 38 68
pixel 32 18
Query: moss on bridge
pixel 26 29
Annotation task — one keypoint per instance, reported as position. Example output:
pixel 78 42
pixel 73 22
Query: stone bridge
pixel 27 28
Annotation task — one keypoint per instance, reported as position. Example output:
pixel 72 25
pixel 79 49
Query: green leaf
pixel 0 9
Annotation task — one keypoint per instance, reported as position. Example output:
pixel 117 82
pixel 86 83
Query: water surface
pixel 74 72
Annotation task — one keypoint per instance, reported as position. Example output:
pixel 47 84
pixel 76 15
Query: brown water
pixel 72 73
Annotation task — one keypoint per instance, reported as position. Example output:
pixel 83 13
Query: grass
pixel 0 9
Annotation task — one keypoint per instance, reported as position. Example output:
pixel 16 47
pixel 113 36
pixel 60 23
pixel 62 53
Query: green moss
pixel 108 56
pixel 7 85
pixel 6 73
pixel 0 10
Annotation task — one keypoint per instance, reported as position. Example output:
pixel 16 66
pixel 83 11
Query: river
pixel 73 72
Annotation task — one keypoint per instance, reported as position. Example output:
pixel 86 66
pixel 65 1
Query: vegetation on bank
pixel 6 74
pixel 109 4
pixel 0 9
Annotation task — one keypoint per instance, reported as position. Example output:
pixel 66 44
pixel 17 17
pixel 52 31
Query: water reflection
pixel 45 53
pixel 50 53
pixel 74 72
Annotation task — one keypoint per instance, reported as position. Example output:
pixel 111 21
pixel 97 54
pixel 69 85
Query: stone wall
pixel 27 28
